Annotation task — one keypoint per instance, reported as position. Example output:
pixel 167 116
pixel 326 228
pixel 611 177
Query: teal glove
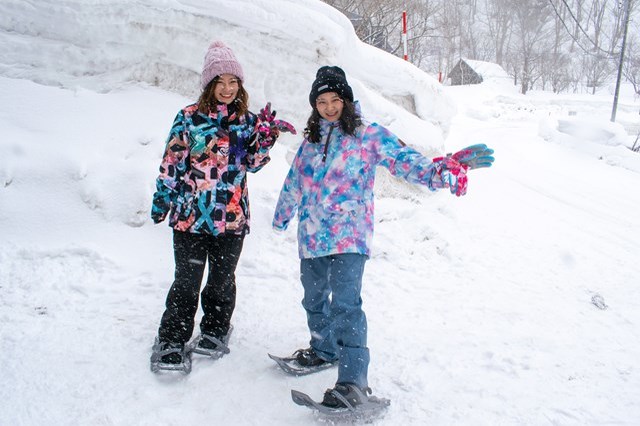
pixel 475 156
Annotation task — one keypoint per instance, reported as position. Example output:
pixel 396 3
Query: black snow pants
pixel 191 252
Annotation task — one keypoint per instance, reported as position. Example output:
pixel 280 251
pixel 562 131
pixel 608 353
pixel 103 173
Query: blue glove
pixel 475 156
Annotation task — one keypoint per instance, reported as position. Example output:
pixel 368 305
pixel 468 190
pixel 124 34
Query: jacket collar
pixel 224 110
pixel 224 114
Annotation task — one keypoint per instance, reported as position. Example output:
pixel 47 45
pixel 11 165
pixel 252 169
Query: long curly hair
pixel 349 121
pixel 207 101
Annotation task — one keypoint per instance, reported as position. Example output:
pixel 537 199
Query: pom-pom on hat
pixel 330 79
pixel 219 60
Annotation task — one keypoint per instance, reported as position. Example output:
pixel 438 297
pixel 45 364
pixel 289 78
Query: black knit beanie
pixel 330 79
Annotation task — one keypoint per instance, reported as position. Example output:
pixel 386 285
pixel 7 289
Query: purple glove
pixel 269 117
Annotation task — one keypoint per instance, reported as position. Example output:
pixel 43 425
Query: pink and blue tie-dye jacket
pixel 330 186
pixel 202 184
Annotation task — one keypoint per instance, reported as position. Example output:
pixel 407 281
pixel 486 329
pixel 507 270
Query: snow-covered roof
pixel 488 70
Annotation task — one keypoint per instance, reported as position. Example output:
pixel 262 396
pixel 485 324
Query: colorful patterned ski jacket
pixel 330 186
pixel 202 183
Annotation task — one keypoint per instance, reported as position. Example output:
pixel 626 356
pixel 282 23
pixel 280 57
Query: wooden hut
pixel 463 73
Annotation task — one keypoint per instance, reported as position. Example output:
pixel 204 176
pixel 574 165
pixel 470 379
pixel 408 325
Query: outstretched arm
pixel 441 172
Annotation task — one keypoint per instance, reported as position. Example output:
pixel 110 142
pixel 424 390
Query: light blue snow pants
pixel 337 323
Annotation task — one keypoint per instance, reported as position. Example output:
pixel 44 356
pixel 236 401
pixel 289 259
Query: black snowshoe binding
pixel 302 362
pixel 211 346
pixel 170 357
pixel 345 402
pixel 345 395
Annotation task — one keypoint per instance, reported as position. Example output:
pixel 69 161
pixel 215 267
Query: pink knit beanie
pixel 219 60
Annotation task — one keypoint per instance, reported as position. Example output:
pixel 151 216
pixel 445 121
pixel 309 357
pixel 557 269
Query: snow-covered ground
pixel 481 308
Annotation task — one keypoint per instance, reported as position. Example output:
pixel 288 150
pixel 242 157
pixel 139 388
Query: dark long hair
pixel 349 121
pixel 207 100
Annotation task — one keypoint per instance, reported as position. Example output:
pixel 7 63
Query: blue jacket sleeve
pixel 400 159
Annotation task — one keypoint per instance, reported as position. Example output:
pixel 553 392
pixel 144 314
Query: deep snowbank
pixel 103 45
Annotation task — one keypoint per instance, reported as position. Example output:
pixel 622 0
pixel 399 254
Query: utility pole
pixel 624 43
pixel 404 35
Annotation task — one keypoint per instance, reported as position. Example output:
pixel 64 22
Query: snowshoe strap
pixel 342 399
pixel 157 355
pixel 168 351
pixel 220 345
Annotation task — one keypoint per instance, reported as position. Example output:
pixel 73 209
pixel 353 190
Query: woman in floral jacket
pixel 202 187
pixel 330 187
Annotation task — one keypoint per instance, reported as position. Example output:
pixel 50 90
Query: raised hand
pixel 475 156
pixel 268 116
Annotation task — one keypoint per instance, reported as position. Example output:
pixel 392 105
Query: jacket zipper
pixel 326 145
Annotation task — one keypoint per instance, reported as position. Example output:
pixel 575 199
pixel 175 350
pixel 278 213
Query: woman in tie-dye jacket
pixel 330 188
pixel 202 188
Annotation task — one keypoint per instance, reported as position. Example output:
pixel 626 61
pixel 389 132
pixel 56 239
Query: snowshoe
pixel 170 357
pixel 212 346
pixel 302 362
pixel 345 402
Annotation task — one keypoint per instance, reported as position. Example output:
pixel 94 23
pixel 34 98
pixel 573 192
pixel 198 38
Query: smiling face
pixel 226 88
pixel 330 105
